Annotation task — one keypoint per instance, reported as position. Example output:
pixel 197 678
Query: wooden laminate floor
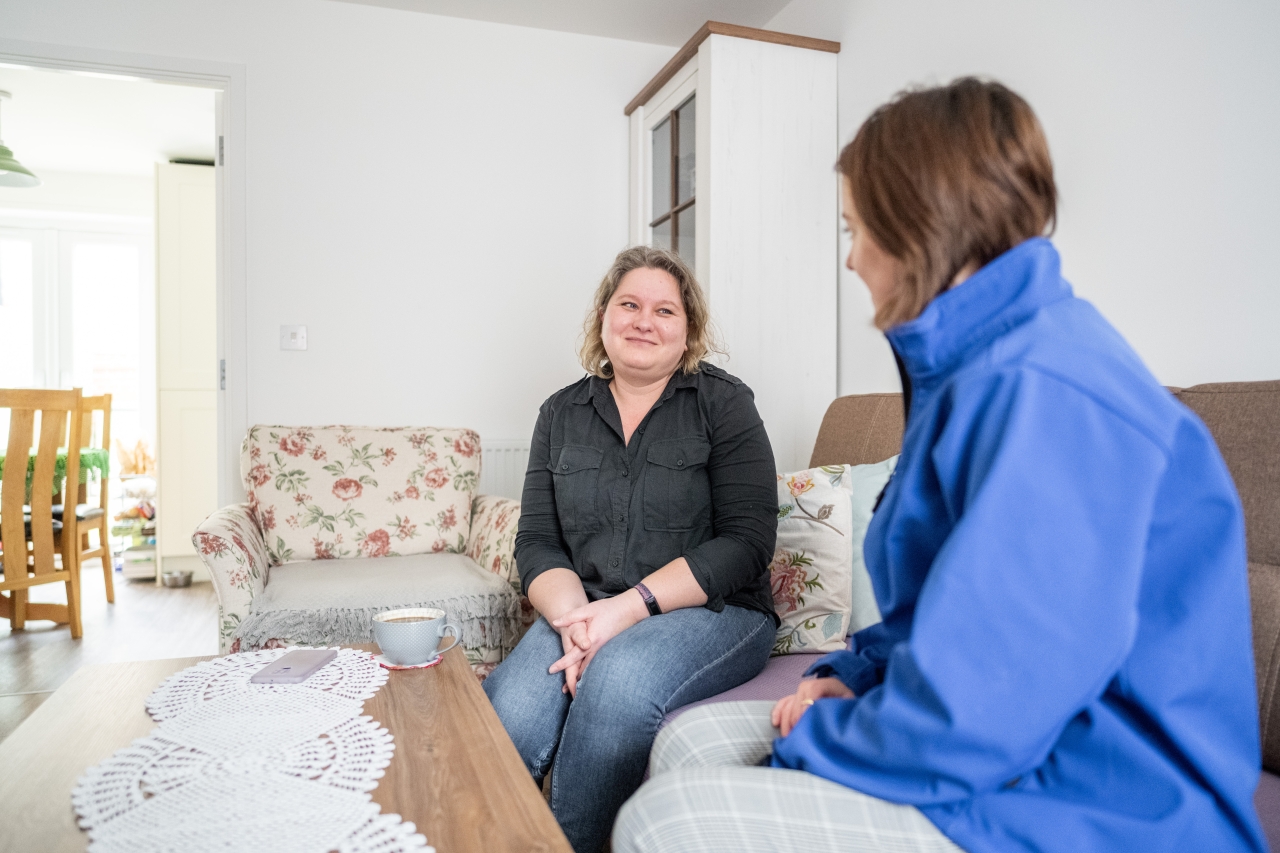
pixel 146 621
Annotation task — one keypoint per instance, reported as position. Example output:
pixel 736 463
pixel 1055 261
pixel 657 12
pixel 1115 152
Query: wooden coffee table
pixel 455 772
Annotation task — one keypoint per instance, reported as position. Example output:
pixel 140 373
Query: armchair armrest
pixel 492 544
pixel 232 546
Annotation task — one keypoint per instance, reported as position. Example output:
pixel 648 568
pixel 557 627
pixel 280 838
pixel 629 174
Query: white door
pixel 186 360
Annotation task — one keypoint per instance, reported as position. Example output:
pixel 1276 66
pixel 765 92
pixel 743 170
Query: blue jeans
pixel 600 741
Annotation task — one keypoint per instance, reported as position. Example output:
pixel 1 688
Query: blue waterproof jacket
pixel 1065 660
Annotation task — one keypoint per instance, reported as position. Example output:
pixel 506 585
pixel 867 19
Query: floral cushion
pixel 322 493
pixel 821 589
pixel 812 561
pixel 492 545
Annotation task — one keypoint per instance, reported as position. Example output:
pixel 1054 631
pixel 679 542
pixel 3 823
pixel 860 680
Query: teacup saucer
pixel 386 664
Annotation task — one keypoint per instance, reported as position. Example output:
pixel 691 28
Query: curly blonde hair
pixel 700 340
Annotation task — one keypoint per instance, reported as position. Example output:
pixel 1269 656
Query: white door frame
pixel 229 81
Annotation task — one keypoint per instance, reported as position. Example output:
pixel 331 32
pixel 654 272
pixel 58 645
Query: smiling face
pixel 879 271
pixel 644 328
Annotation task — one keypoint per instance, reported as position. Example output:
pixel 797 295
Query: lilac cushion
pixel 780 677
pixel 1266 799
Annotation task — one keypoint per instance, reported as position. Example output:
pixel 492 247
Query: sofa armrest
pixel 232 546
pixel 493 544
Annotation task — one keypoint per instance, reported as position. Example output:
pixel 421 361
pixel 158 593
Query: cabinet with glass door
pixel 733 148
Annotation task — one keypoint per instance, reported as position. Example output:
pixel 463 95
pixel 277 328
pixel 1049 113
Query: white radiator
pixel 502 467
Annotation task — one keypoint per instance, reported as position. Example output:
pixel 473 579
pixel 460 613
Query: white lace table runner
pixel 239 766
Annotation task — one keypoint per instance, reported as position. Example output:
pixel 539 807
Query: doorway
pixel 83 302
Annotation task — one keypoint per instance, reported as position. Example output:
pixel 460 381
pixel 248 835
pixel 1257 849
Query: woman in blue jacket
pixel 1065 660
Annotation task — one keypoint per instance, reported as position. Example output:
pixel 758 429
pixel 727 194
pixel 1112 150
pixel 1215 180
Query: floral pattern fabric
pixel 821 588
pixel 231 545
pixel 493 545
pixel 812 562
pixel 322 493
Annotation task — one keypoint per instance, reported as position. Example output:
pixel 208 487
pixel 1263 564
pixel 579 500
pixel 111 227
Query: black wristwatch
pixel 649 601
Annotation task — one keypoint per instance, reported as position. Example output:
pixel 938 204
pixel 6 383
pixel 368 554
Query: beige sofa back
pixel 1244 418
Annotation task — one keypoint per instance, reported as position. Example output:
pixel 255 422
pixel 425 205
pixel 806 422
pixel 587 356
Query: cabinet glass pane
pixel 687 134
pixel 662 168
pixel 686 234
pixel 662 234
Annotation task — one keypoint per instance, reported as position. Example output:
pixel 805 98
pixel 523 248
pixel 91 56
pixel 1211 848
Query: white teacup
pixel 409 637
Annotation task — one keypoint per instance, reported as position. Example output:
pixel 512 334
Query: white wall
pixel 96 196
pixel 434 198
pixel 1164 123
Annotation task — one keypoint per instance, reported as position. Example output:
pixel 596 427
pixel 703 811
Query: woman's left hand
pixel 604 620
pixel 791 708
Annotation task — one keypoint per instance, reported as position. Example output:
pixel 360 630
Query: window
pixel 77 310
pixel 673 145
pixel 17 307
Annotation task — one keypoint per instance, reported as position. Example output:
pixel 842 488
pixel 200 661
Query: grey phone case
pixel 293 667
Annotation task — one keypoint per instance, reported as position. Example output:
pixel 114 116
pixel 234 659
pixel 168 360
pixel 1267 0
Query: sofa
pixel 1244 418
pixel 345 522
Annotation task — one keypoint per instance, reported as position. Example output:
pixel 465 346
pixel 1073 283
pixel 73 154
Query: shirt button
pixel 679 463
pixel 564 467
pixel 614 561
pixel 625 472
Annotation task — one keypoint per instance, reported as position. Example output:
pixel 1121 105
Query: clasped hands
pixel 584 631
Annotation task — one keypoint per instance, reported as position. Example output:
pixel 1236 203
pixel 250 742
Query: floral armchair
pixel 354 495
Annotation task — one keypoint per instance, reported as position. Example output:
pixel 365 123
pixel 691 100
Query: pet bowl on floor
pixel 176 578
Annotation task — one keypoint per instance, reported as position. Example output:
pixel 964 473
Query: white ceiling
pixel 76 122
pixel 670 22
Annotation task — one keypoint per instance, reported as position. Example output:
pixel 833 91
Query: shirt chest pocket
pixel 576 474
pixel 677 486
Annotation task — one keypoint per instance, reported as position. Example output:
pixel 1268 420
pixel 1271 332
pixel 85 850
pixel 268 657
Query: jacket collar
pixel 1001 295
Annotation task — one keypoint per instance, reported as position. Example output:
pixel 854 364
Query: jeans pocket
pixel 677 486
pixel 576 475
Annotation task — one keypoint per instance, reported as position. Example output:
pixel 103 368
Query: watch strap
pixel 649 600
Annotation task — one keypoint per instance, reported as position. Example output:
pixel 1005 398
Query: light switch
pixel 293 337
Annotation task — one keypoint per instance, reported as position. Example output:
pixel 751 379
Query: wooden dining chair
pixel 90 517
pixel 27 540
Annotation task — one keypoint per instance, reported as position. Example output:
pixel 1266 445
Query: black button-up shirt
pixel 696 481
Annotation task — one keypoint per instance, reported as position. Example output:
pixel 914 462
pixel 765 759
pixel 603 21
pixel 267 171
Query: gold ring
pixel 806 702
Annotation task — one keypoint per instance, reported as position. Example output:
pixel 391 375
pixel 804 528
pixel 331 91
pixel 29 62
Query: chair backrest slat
pixel 13 493
pixel 90 405
pixel 52 427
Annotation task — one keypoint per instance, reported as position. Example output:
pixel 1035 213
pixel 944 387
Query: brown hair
pixel 700 338
pixel 946 177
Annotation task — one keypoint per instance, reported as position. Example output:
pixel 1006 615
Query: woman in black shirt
pixel 651 491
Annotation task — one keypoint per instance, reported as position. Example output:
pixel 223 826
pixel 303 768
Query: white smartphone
pixel 293 667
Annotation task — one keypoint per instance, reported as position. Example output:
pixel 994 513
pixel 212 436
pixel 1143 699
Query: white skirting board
pixel 502 467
